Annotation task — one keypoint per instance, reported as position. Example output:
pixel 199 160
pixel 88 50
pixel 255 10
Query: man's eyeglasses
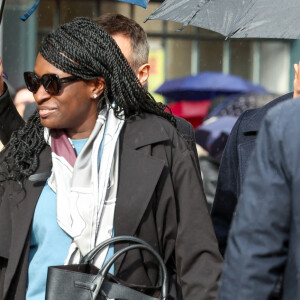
pixel 51 82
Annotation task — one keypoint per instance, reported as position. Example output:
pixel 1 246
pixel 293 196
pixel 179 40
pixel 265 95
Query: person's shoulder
pixel 183 125
pixel 278 100
pixel 274 103
pixel 282 121
pixel 173 133
pixel 186 130
pixel 149 126
pixel 285 112
pixel 251 119
pixel 161 121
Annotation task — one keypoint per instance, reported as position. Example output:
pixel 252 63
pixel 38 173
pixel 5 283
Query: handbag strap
pixel 89 257
pixel 104 270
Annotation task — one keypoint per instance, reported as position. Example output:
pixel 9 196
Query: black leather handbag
pixel 86 282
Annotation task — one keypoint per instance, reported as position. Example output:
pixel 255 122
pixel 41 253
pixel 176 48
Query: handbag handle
pixel 89 257
pixel 104 270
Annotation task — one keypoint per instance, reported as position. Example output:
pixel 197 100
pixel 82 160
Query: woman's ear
pixel 97 87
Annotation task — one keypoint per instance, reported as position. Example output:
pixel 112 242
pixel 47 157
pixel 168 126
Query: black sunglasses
pixel 51 82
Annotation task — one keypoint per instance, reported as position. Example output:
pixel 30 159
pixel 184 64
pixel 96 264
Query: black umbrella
pixel 236 18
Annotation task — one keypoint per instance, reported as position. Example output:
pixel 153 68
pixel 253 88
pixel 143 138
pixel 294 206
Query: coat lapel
pixel 250 130
pixel 139 175
pixel 253 124
pixel 23 206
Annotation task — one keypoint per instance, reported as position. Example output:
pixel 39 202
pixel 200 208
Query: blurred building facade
pixel 173 54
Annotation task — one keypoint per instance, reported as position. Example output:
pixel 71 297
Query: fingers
pixel 297 80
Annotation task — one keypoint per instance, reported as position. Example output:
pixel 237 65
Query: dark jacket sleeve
pixel 5 227
pixel 10 120
pixel 227 189
pixel 198 261
pixel 187 131
pixel 258 239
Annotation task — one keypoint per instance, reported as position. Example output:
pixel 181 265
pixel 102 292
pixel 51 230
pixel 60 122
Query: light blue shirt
pixel 49 244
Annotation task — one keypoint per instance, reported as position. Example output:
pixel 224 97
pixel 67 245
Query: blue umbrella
pixel 30 11
pixel 142 3
pixel 207 85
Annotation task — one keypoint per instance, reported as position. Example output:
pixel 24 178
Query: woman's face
pixel 73 109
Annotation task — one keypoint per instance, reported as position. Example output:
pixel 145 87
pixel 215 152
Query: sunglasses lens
pixel 51 83
pixel 31 81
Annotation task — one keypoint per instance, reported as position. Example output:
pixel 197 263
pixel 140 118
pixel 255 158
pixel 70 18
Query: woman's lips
pixel 45 112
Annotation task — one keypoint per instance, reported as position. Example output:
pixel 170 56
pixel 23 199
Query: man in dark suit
pixel 133 42
pixel 263 244
pixel 234 163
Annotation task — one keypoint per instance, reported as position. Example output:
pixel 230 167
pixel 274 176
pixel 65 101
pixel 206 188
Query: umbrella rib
pixel 199 6
pixel 241 17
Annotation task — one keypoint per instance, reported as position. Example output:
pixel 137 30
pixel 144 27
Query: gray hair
pixel 119 24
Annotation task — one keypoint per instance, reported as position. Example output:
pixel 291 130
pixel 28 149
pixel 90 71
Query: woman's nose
pixel 41 95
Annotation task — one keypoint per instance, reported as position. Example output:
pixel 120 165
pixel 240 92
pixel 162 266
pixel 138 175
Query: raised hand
pixel 297 80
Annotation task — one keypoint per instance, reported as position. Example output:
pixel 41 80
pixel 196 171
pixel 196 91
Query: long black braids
pixel 24 148
pixel 91 53
pixel 84 49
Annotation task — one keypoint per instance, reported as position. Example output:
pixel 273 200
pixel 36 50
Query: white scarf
pixel 85 193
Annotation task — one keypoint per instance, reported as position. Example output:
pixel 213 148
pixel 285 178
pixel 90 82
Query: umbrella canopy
pixel 213 134
pixel 194 112
pixel 235 18
pixel 207 85
pixel 142 3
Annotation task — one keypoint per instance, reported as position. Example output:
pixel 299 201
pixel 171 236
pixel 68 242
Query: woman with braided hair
pixel 99 158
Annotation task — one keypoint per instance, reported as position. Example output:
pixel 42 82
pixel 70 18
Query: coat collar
pixel 253 123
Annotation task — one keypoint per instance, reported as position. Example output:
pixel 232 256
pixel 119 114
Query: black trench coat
pixel 160 200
